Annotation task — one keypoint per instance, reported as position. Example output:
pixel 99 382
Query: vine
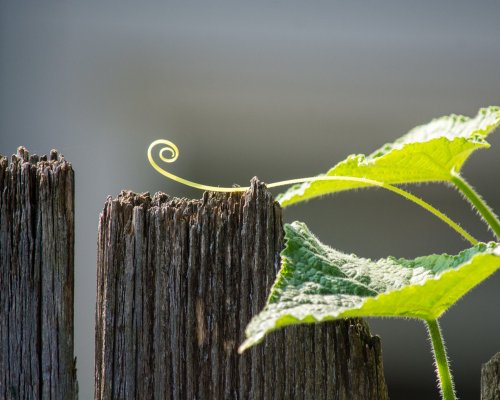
pixel 423 288
pixel 174 151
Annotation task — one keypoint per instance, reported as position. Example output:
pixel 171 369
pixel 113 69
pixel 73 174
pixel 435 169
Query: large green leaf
pixel 427 153
pixel 317 283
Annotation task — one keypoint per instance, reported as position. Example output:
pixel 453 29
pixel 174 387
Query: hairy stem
pixel 443 368
pixel 477 202
pixel 417 200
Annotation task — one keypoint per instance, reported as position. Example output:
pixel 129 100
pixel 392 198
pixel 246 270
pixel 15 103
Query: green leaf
pixel 427 153
pixel 317 283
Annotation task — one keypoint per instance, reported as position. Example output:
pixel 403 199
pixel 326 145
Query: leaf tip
pixel 249 342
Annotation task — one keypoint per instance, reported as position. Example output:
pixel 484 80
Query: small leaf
pixel 427 153
pixel 317 283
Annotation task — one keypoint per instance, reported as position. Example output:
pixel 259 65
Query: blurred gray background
pixel 274 89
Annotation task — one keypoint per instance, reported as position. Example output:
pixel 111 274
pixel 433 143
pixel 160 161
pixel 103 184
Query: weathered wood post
pixel 490 379
pixel 36 277
pixel 178 281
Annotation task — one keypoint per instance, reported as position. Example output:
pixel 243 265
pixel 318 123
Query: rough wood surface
pixel 178 281
pixel 36 277
pixel 490 379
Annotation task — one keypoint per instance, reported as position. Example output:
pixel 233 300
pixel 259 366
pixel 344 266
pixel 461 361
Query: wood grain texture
pixel 36 277
pixel 178 281
pixel 490 379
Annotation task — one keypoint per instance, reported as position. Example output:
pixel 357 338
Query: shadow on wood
pixel 36 277
pixel 178 281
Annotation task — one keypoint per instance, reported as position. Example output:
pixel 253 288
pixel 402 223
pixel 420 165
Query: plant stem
pixel 168 146
pixel 443 369
pixel 477 202
pixel 407 195
pixel 452 224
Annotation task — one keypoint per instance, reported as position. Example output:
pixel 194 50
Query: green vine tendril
pixel 170 147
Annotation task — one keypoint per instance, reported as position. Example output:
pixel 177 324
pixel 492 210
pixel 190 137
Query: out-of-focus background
pixel 279 89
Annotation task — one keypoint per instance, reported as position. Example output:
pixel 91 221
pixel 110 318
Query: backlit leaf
pixel 427 153
pixel 317 283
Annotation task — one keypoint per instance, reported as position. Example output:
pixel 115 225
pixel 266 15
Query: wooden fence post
pixel 36 277
pixel 178 281
pixel 490 379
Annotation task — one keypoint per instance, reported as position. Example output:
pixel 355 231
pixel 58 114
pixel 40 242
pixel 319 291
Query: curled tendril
pixel 174 153
pixel 170 147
